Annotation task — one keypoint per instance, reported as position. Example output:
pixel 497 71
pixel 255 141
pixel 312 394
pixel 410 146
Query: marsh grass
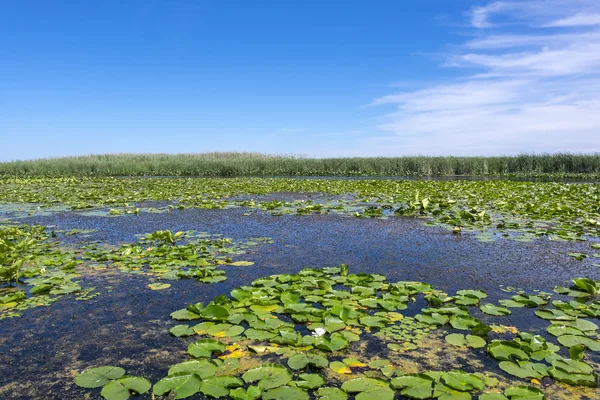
pixel 257 164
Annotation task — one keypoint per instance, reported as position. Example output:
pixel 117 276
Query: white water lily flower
pixel 43 270
pixel 319 332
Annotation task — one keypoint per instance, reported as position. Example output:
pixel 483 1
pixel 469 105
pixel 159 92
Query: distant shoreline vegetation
pixel 238 164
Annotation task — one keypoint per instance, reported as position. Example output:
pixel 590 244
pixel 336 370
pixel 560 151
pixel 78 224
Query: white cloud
pixel 532 91
pixel 579 19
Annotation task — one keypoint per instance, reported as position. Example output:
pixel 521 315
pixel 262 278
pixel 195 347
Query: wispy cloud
pixel 531 83
pixel 579 19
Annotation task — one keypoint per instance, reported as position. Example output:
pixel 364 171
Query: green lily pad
pixel 572 340
pixel 506 350
pixel 215 313
pixel 120 388
pixel 309 381
pixel 494 310
pixel 416 386
pixel 159 286
pixel 285 393
pixel 463 381
pixel 100 376
pixel 444 392
pixel 184 315
pixel 524 369
pixel 252 393
pixel 182 331
pixel 241 263
pixel 205 348
pixel 463 322
pixel 204 368
pixel 492 396
pixel 268 376
pixel 524 393
pixel 183 384
pixel 331 393
pixel 301 360
pixel 458 339
pixel 363 385
pixel 218 386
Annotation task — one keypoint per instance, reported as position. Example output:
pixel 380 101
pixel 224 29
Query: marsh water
pixel 128 325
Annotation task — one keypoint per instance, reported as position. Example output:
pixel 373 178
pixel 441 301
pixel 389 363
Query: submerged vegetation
pixel 288 335
pixel 255 164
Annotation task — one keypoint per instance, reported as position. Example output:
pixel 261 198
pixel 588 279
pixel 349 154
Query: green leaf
pixel 269 376
pixel 363 385
pixel 572 340
pixel 416 386
pixel 218 386
pixel 331 393
pixel 285 393
pixel 554 315
pixel 456 339
pixel 182 331
pixel 184 315
pixel 119 389
pixel 524 393
pixel 383 393
pixel 203 368
pixel 586 285
pixel 573 378
pixel 215 312
pixel 183 384
pixel 159 286
pixel 463 322
pixel 115 391
pixel 443 392
pixel 577 352
pixel 494 310
pixel 492 396
pixel 463 381
pixel 205 348
pixel 96 377
pixel 505 350
pixel 524 369
pixel 310 381
pixel 252 393
pixel 301 360
pixel 432 319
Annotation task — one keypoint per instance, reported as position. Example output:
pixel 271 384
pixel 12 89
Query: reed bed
pixel 225 164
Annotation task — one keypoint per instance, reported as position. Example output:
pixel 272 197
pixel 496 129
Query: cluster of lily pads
pixel 167 255
pixel 35 270
pixel 293 336
pixel 514 210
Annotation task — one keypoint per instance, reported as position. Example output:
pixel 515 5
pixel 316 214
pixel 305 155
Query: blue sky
pixel 316 78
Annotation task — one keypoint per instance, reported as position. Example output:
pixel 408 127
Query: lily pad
pixel 572 340
pixel 100 376
pixel 301 360
pixel 331 393
pixel 184 384
pixel 203 368
pixel 494 310
pixel 205 348
pixel 285 393
pixel 159 286
pixel 416 386
pixel 268 376
pixel 120 388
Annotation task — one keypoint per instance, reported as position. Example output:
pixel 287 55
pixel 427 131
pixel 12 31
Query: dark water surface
pixel 128 324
